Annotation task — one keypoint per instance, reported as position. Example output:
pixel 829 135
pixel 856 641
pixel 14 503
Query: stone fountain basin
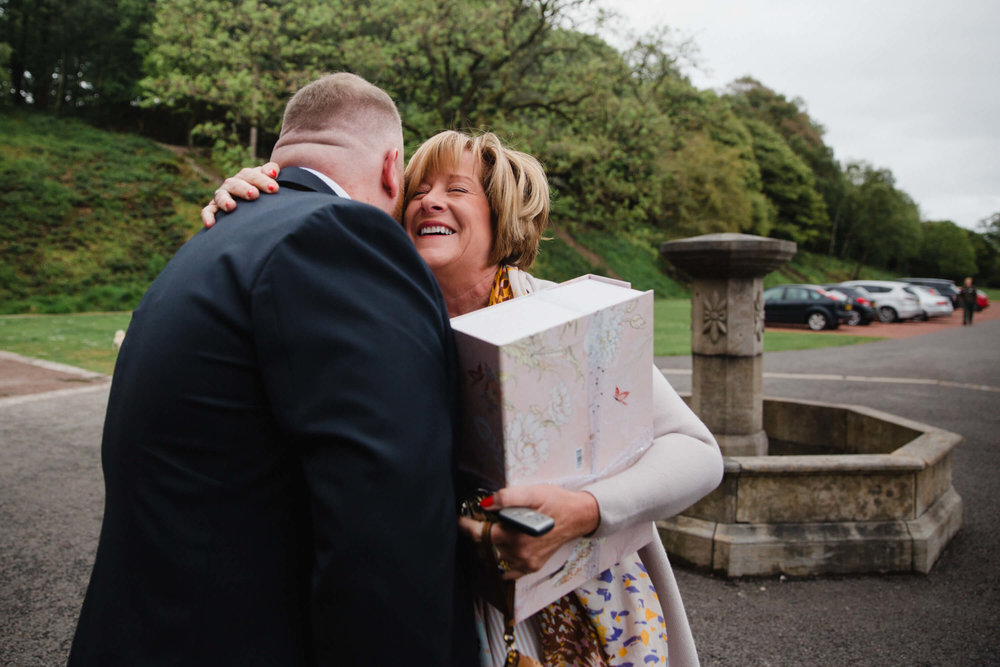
pixel 844 489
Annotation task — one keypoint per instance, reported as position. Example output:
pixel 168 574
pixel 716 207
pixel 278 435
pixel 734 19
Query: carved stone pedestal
pixel 727 331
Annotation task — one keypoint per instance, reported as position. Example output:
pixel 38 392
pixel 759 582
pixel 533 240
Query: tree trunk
pixel 834 224
pixel 61 85
pixel 18 60
pixel 17 81
pixel 253 141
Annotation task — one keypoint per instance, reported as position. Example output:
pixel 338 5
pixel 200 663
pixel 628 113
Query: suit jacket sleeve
pixel 355 350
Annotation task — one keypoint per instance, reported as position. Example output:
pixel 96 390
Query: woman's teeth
pixel 435 230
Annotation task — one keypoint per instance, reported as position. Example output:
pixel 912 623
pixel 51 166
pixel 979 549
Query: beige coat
pixel 683 465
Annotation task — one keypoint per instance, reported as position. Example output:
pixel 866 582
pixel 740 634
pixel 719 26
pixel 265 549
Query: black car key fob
pixel 527 520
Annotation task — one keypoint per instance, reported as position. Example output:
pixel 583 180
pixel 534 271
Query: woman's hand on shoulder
pixel 247 184
pixel 576 513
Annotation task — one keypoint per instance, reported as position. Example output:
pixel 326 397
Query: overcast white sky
pixel 909 85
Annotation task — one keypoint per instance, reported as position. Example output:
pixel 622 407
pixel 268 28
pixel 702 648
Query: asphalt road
pixel 51 501
pixel 950 617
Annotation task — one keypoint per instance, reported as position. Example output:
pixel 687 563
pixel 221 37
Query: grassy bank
pixel 88 218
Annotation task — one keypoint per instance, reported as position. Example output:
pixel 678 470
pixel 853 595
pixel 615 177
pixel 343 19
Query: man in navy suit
pixel 277 449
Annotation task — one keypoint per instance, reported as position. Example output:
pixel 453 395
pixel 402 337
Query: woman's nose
pixel 432 201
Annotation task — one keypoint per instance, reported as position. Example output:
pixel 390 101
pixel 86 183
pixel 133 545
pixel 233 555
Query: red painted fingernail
pixel 249 193
pixel 486 502
pixel 229 206
pixel 273 173
pixel 270 188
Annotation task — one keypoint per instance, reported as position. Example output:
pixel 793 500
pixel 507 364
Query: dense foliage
pixel 635 153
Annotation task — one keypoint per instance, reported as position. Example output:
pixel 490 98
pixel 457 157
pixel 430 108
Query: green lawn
pixel 673 333
pixel 84 340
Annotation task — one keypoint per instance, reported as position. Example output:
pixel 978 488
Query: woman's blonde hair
pixel 515 185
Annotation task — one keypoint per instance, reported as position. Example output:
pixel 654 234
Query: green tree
pixel 110 73
pixel 986 245
pixel 882 224
pixel 73 55
pixel 5 53
pixel 472 63
pixel 990 230
pixel 708 191
pixel 229 65
pixel 32 28
pixel 945 250
pixel 804 136
pixel 788 183
pixel 709 180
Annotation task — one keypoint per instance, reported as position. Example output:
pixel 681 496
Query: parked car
pixel 982 300
pixel 932 304
pixel 944 286
pixel 811 305
pixel 892 302
pixel 860 305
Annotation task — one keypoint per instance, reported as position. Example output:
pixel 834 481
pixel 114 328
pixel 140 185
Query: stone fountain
pixel 809 488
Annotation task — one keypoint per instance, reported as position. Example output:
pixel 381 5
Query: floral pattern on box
pixel 567 404
pixel 549 397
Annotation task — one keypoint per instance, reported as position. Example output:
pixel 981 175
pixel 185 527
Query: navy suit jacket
pixel 277 451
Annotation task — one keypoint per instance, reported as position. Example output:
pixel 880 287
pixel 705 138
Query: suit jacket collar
pixel 298 178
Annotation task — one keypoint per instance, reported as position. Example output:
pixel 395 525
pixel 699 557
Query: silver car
pixel 932 303
pixel 892 302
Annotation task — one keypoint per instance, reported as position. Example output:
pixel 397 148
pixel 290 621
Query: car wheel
pixel 817 321
pixel 853 318
pixel 887 314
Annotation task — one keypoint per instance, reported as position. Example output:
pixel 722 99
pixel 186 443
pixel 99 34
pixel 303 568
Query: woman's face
pixel 449 219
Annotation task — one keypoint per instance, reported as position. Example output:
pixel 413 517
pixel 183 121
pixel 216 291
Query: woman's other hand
pixel 247 184
pixel 576 514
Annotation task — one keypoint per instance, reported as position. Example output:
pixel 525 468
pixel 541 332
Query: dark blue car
pixel 811 305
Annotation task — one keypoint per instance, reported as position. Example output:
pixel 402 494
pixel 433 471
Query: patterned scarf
pixel 501 290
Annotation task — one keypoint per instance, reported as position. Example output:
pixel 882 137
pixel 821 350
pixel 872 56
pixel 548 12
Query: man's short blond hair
pixel 340 100
pixel 515 185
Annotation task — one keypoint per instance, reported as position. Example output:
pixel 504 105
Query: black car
pixel 803 304
pixel 860 309
pixel 944 287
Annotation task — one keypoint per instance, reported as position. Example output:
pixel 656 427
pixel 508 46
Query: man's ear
pixel 391 178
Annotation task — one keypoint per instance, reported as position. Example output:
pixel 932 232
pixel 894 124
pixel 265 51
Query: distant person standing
pixel 967 295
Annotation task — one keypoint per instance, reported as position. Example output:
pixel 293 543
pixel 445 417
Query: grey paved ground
pixel 51 499
pixel 51 503
pixel 949 617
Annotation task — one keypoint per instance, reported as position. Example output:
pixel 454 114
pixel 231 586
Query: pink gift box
pixel 557 389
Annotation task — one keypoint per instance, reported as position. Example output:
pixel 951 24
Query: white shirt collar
pixel 329 181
